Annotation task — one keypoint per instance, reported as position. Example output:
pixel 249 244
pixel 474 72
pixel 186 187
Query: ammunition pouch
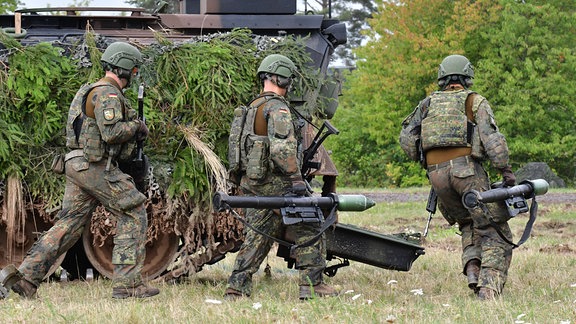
pixel 259 158
pixel 94 146
pixel 478 151
pixel 58 164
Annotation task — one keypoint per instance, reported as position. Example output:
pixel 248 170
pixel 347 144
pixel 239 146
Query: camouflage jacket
pixel 101 122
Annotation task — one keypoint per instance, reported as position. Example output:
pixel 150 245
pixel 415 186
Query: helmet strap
pixel 465 81
pixel 278 80
pixel 123 74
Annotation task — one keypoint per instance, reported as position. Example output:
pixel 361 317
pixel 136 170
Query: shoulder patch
pixel 109 113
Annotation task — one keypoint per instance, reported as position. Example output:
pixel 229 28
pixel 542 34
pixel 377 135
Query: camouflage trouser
pixel 87 184
pixel 480 239
pixel 310 260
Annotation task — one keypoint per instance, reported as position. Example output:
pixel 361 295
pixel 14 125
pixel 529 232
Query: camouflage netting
pixel 192 88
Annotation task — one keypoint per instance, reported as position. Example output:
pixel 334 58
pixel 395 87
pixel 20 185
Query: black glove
pixel 299 185
pixel 508 177
pixel 142 132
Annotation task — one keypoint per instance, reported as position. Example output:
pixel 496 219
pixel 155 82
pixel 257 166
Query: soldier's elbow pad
pixel 408 143
pixel 497 150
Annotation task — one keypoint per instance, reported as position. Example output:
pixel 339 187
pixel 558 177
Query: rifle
pixel 307 163
pixel 138 167
pixel 431 208
pixel 139 160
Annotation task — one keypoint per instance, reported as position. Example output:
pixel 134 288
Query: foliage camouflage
pixel 192 88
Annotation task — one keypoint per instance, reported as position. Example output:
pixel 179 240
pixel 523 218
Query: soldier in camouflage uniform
pixel 272 168
pixel 452 132
pixel 101 131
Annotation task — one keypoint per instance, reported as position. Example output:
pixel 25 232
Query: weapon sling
pixel 327 223
pixel 527 229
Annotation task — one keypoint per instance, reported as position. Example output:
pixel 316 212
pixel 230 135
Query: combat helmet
pixel 455 67
pixel 124 57
pixel 279 65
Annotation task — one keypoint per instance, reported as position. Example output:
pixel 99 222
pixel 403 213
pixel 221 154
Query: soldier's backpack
pixel 241 128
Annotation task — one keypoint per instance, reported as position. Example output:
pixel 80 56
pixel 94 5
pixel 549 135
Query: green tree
pixel 395 70
pixel 355 14
pixel 524 57
pixel 526 66
pixel 8 6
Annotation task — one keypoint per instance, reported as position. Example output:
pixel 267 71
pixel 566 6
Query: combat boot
pixel 140 291
pixel 320 290
pixel 8 277
pixel 233 294
pixel 486 294
pixel 472 272
pixel 25 289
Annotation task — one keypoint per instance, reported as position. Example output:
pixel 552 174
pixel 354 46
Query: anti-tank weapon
pixel 513 197
pixel 295 209
pixel 344 241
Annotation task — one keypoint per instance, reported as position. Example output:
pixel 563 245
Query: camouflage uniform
pixel 461 171
pixel 277 171
pixel 92 177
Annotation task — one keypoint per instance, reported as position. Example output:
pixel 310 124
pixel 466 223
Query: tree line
pixel 525 64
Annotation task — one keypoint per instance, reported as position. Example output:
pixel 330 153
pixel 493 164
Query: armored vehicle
pixel 181 246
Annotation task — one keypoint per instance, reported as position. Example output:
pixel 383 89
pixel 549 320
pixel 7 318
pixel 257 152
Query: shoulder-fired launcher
pixel 341 202
pixel 526 189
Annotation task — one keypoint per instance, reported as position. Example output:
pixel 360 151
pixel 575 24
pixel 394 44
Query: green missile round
pixel 354 202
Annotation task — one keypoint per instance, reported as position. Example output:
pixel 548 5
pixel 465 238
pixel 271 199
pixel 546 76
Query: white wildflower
pixel 369 301
pixel 257 305
pixel 446 305
pixel 392 282
pixel 349 291
pixel 356 296
pixel 573 285
pixel 565 322
pixel 213 301
pixel 391 318
pixel 417 292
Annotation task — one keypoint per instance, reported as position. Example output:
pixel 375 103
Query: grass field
pixel 541 287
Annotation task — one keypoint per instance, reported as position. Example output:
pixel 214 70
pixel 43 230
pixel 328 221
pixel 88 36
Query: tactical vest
pixel 248 152
pixel 445 123
pixel 82 131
